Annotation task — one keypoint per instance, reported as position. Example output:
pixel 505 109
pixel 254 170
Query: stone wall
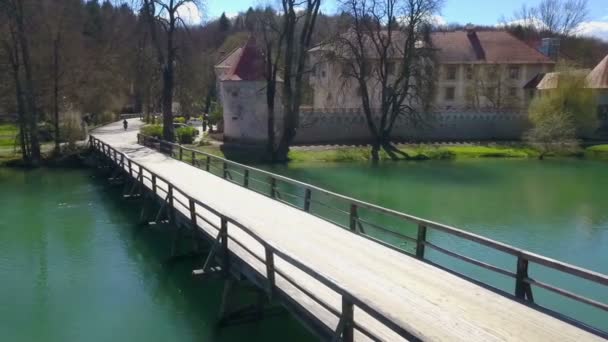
pixel 319 126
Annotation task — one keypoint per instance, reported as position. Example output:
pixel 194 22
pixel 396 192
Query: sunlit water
pixel 75 267
pixel 557 208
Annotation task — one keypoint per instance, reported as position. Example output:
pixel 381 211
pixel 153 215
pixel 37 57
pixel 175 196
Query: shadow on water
pixel 173 283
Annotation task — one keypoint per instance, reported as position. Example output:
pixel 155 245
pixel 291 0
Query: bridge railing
pixel 378 224
pixel 178 200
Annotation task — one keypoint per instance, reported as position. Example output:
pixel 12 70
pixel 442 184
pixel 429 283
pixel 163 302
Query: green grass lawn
pixel 413 152
pixel 597 152
pixel 8 134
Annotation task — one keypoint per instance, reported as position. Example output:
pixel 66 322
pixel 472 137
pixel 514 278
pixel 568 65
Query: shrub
pixel 179 119
pixel 71 128
pixel 152 131
pixel 185 135
pixel 45 131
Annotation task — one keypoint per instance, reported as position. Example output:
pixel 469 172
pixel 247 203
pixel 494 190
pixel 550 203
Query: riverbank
pixel 67 158
pixel 421 152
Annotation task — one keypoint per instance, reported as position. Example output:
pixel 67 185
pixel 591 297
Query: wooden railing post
pixel 420 240
pixel 226 253
pixel 130 169
pixel 348 327
pixel 307 196
pixel 523 290
pixel 270 270
pixel 207 163
pixel 193 158
pixel 140 176
pixel 193 212
pixel 353 217
pixel 170 208
pixel 224 170
pixel 246 178
pixel 154 183
pixel 273 185
pixel 181 152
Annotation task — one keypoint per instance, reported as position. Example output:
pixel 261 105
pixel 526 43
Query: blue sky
pixel 485 12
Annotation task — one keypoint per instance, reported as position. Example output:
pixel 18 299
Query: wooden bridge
pixel 347 269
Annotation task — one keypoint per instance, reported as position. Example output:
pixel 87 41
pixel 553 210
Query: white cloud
pixel 597 29
pixel 438 20
pixel 190 13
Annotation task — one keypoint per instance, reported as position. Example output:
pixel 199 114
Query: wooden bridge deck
pixel 430 303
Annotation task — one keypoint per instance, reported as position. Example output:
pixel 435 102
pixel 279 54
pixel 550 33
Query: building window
pixel 492 72
pixel 450 93
pixel 450 73
pixel 469 72
pixel 513 91
pixel 514 72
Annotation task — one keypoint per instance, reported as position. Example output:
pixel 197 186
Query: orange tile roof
pixel 484 47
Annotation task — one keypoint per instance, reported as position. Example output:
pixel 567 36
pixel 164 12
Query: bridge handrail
pixel 595 276
pixel 348 299
pixel 523 282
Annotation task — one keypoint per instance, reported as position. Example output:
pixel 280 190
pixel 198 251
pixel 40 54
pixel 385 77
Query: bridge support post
pixel 346 325
pixel 523 290
pixel 270 271
pixel 354 216
pixel 307 196
pixel 420 240
pixel 258 310
pixel 225 251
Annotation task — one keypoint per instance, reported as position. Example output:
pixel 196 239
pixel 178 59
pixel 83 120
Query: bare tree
pixel 555 16
pixel 299 18
pixel 267 23
pixel 17 14
pixel 491 88
pixel 387 53
pixel 165 14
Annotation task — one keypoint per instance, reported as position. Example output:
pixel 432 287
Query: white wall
pixel 245 111
pixel 334 126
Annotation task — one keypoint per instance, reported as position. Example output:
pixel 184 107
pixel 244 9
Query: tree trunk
pixel 270 95
pixel 56 92
pixel 32 110
pixel 375 152
pixel 167 99
pixel 168 75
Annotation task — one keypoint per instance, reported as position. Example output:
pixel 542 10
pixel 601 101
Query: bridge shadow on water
pixel 172 284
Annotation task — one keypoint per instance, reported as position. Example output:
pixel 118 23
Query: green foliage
pixel 570 101
pixel 597 152
pixel 70 128
pixel 217 114
pixel 179 119
pixel 152 131
pixel 185 135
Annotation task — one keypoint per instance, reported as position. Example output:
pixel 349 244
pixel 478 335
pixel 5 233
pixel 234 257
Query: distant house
pixel 476 68
pixel 598 81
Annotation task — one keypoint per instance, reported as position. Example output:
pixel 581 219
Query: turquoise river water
pixel 74 266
